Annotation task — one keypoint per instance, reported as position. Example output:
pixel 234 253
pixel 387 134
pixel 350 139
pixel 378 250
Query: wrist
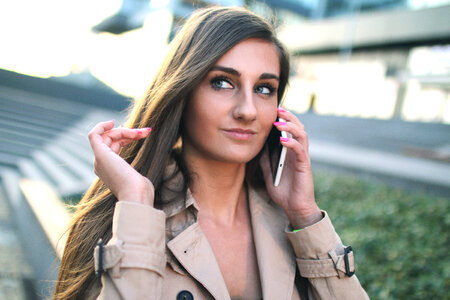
pixel 300 220
pixel 144 195
pixel 137 198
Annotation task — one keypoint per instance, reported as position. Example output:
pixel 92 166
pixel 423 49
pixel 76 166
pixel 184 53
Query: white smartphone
pixel 282 156
pixel 277 153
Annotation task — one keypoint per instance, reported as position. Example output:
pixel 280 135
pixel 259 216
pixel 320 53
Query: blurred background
pixel 370 80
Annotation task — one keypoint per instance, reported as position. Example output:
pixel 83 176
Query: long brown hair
pixel 206 36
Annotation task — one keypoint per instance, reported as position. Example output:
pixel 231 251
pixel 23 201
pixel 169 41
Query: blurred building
pixel 132 13
pixel 368 58
pixel 361 58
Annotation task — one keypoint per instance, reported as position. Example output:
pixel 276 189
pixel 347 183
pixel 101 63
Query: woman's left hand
pixel 295 193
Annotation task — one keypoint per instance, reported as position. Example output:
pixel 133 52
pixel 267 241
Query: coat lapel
pixel 275 256
pixel 276 259
pixel 192 250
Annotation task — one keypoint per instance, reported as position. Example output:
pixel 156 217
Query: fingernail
pixel 147 128
pixel 139 131
pixel 279 123
pixel 280 109
pixel 283 139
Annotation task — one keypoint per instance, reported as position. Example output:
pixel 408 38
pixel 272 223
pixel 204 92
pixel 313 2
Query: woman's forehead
pixel 252 55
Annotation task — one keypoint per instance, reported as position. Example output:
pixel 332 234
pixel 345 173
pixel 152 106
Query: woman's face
pixel 230 113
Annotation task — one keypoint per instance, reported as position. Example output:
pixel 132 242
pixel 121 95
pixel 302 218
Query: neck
pixel 218 188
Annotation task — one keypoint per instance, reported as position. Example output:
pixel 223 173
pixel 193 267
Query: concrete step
pixel 36 246
pixel 44 125
pixel 77 149
pixel 93 117
pixel 15 125
pixel 16 148
pixel 9 160
pixel 24 99
pixel 29 169
pixel 81 169
pixel 80 130
pixel 10 183
pixel 44 129
pixel 51 213
pixel 64 180
pixel 57 118
pixel 16 275
pixel 15 135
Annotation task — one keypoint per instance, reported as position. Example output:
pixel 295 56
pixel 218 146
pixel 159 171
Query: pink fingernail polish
pixel 283 139
pixel 280 109
pixel 279 123
pixel 147 128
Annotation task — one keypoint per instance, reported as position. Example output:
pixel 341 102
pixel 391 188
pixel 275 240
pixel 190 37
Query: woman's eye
pixel 264 89
pixel 220 83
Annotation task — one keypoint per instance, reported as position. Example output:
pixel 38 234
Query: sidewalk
pixel 415 153
pixel 392 165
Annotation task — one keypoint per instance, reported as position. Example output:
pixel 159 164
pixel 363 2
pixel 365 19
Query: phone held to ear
pixel 277 153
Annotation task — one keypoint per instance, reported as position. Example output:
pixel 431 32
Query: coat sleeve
pixel 134 259
pixel 320 258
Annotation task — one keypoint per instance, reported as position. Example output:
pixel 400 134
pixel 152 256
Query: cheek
pixel 268 116
pixel 199 115
pixel 192 121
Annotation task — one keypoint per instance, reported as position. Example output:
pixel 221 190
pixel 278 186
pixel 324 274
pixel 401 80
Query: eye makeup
pixel 268 86
pixel 220 83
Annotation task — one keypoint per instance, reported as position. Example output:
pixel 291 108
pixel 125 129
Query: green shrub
pixel 400 238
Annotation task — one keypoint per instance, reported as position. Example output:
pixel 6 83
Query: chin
pixel 238 156
pixel 227 152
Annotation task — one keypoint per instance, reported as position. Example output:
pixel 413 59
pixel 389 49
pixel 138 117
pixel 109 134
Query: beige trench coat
pixel 163 254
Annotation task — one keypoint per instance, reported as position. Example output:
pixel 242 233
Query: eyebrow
pixel 236 72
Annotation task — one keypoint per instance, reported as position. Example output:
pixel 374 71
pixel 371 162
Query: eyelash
pixel 269 87
pixel 222 78
pixel 217 79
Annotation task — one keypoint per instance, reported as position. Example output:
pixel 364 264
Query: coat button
pixel 185 295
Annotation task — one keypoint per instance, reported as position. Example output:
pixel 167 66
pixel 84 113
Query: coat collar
pixel 190 247
pixel 193 252
pixel 276 260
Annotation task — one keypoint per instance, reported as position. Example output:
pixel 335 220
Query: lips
pixel 240 133
pixel 240 130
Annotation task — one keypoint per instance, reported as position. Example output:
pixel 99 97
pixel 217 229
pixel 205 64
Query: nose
pixel 245 107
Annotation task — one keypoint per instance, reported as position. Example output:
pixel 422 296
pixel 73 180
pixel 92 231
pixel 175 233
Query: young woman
pixel 188 209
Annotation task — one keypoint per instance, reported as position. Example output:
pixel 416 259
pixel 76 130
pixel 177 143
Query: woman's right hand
pixel 121 178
